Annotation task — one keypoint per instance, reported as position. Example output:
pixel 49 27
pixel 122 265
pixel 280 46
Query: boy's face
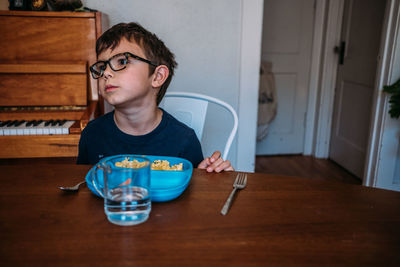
pixel 130 87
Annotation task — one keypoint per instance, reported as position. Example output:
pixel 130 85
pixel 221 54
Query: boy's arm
pixel 215 163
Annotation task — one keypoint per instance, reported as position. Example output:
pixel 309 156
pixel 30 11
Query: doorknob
pixel 340 50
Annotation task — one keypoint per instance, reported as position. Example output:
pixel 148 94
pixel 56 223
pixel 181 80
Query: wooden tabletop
pixel 275 220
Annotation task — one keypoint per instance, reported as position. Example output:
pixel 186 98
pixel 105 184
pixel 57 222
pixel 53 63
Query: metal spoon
pixel 71 188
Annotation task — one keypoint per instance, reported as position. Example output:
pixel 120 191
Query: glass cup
pixel 124 183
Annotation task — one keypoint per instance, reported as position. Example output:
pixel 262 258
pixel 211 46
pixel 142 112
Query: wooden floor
pixel 304 166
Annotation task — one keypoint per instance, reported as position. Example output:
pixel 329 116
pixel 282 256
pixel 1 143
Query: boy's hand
pixel 215 163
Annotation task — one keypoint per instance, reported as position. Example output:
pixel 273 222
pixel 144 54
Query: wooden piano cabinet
pixel 50 36
pixel 40 146
pixel 44 64
pixel 47 83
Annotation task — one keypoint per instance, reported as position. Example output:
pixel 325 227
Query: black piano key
pixel 11 123
pixel 30 123
pixel 36 123
pixel 19 123
pixel 47 123
pixel 4 123
pixel 54 123
pixel 62 122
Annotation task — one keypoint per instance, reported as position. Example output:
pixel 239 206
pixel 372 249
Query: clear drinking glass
pixel 126 190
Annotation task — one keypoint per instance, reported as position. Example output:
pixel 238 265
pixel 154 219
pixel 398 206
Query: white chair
pixel 191 109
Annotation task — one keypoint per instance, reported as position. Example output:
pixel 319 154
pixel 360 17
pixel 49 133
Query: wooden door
pixel 361 35
pixel 287 41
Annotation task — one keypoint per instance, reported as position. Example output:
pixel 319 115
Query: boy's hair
pixel 154 49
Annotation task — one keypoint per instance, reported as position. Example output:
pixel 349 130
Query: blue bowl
pixel 165 185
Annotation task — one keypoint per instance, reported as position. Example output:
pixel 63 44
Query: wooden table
pixel 276 220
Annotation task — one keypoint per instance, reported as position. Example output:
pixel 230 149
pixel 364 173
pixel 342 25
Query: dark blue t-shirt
pixel 102 138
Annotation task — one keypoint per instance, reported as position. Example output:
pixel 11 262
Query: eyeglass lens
pixel 117 62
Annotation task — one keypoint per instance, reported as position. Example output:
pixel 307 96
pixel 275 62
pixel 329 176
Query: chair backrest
pixel 191 109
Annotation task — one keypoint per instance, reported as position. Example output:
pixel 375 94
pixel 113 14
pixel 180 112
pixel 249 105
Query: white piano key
pixel 52 130
pixel 9 130
pixel 36 130
pixel 32 130
pixel 66 126
pixel 20 129
pixel 43 129
pixel 16 130
pixel 57 129
pixel 26 131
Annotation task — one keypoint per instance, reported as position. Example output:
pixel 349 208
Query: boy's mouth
pixel 110 88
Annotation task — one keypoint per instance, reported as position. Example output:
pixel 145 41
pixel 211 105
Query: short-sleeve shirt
pixel 102 138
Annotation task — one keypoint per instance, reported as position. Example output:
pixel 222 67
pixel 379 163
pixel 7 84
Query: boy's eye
pixel 99 68
pixel 122 61
pixel 103 67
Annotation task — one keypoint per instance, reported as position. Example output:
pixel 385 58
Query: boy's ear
pixel 160 74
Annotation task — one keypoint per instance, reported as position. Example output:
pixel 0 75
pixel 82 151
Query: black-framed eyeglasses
pixel 117 62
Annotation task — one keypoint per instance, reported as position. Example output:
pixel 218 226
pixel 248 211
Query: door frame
pixel 249 74
pixel 327 79
pixel 310 133
pixel 386 74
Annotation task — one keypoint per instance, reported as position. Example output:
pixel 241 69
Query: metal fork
pixel 240 183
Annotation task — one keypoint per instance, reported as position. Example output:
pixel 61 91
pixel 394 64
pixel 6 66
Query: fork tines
pixel 241 179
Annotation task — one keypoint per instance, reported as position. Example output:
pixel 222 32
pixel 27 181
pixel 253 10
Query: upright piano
pixel 46 94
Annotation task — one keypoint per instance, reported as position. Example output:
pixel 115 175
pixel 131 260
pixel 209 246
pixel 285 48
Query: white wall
pixel 206 37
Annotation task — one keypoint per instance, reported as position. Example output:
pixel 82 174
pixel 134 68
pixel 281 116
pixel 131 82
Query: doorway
pixel 287 46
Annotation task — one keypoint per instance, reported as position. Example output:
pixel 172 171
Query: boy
pixel 134 71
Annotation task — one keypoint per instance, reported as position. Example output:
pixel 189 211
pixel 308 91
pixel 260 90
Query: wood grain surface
pixel 275 220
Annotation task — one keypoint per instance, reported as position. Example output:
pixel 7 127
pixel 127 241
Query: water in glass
pixel 128 205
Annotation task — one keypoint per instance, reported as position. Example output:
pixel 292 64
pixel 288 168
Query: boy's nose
pixel 108 72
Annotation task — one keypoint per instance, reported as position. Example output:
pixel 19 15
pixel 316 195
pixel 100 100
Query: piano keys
pixel 35 127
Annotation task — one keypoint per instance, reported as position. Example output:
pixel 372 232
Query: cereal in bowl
pixel 157 165
pixel 134 164
pixel 163 165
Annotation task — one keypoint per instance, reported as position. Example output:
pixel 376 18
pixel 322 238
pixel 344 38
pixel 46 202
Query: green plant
pixel 394 99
